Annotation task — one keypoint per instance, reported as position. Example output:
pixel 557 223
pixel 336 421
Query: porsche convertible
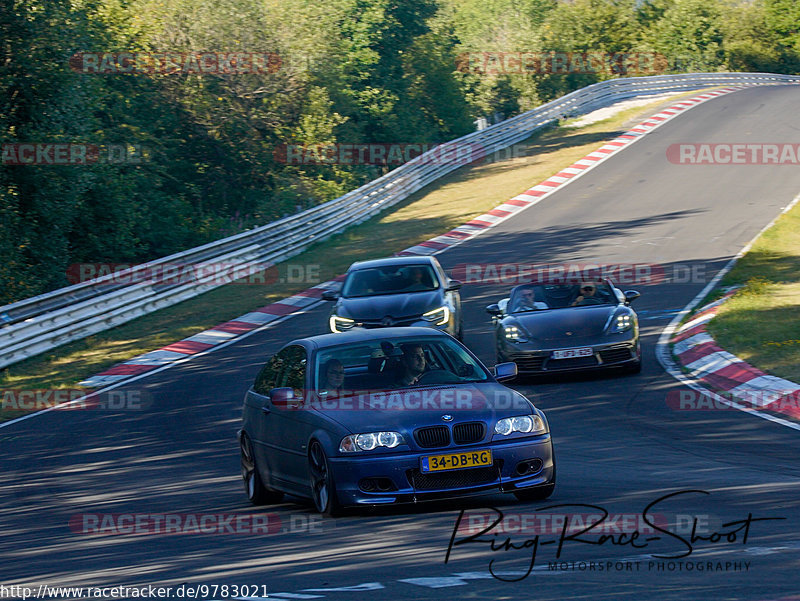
pixel 547 328
pixel 391 415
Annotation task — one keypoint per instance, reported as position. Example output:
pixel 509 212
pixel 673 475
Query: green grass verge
pixel 761 323
pixel 434 210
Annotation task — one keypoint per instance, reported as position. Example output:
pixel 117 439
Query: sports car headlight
pixel 531 424
pixel 622 323
pixel 440 316
pixel 340 324
pixel 514 334
pixel 369 441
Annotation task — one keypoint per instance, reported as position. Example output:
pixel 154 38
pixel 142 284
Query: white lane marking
pixel 662 347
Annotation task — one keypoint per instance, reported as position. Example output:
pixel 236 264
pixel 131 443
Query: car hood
pixel 409 408
pixel 554 324
pixel 396 305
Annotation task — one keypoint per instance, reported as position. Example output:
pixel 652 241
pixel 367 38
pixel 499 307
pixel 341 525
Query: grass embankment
pixel 446 204
pixel 761 323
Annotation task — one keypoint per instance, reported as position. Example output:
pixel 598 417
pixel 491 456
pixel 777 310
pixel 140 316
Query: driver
pixel 587 296
pixel 412 365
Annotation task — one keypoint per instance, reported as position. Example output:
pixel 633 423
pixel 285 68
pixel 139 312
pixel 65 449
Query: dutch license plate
pixel 455 461
pixel 569 353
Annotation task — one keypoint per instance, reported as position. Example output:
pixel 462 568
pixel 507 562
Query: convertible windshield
pixel 539 297
pixel 391 279
pixel 395 363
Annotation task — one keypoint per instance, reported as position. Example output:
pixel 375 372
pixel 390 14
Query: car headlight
pixel 369 441
pixel 340 324
pixel 514 334
pixel 621 323
pixel 530 424
pixel 439 316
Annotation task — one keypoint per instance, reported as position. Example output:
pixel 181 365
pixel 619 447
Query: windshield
pixel 540 297
pixel 391 279
pixel 395 363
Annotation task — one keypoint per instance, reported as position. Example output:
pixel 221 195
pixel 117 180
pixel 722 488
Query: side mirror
pixel 631 295
pixel 494 310
pixel 452 285
pixel 284 398
pixel 330 295
pixel 505 371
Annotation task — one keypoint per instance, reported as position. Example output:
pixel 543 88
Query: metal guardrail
pixel 49 320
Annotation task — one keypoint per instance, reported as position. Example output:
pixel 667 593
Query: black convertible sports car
pixel 558 327
pixel 391 415
pixel 396 291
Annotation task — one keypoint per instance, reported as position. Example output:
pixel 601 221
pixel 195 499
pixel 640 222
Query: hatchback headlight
pixel 369 441
pixel 530 424
pixel 439 316
pixel 340 324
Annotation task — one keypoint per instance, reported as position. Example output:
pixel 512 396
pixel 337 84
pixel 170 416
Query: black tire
pixel 254 488
pixel 323 488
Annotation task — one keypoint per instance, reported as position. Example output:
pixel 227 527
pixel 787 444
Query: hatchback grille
pixel 615 355
pixel 468 433
pixel 396 322
pixel 455 478
pixel 432 437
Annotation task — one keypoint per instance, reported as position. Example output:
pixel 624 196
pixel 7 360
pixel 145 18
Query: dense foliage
pixel 351 71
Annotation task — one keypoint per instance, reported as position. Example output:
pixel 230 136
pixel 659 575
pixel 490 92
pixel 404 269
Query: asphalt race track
pixel 619 445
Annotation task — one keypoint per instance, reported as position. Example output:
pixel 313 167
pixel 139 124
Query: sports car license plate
pixel 455 461
pixel 569 353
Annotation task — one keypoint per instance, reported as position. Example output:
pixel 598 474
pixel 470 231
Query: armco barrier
pixel 49 320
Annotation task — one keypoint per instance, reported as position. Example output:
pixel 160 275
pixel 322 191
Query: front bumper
pixel 351 473
pixel 610 355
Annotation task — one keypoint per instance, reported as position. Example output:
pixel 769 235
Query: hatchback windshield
pixel 395 363
pixel 391 279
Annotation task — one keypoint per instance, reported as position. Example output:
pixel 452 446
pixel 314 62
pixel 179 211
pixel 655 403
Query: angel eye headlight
pixel 526 424
pixel 369 441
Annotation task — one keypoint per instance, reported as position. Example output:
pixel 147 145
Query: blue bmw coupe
pixel 391 415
